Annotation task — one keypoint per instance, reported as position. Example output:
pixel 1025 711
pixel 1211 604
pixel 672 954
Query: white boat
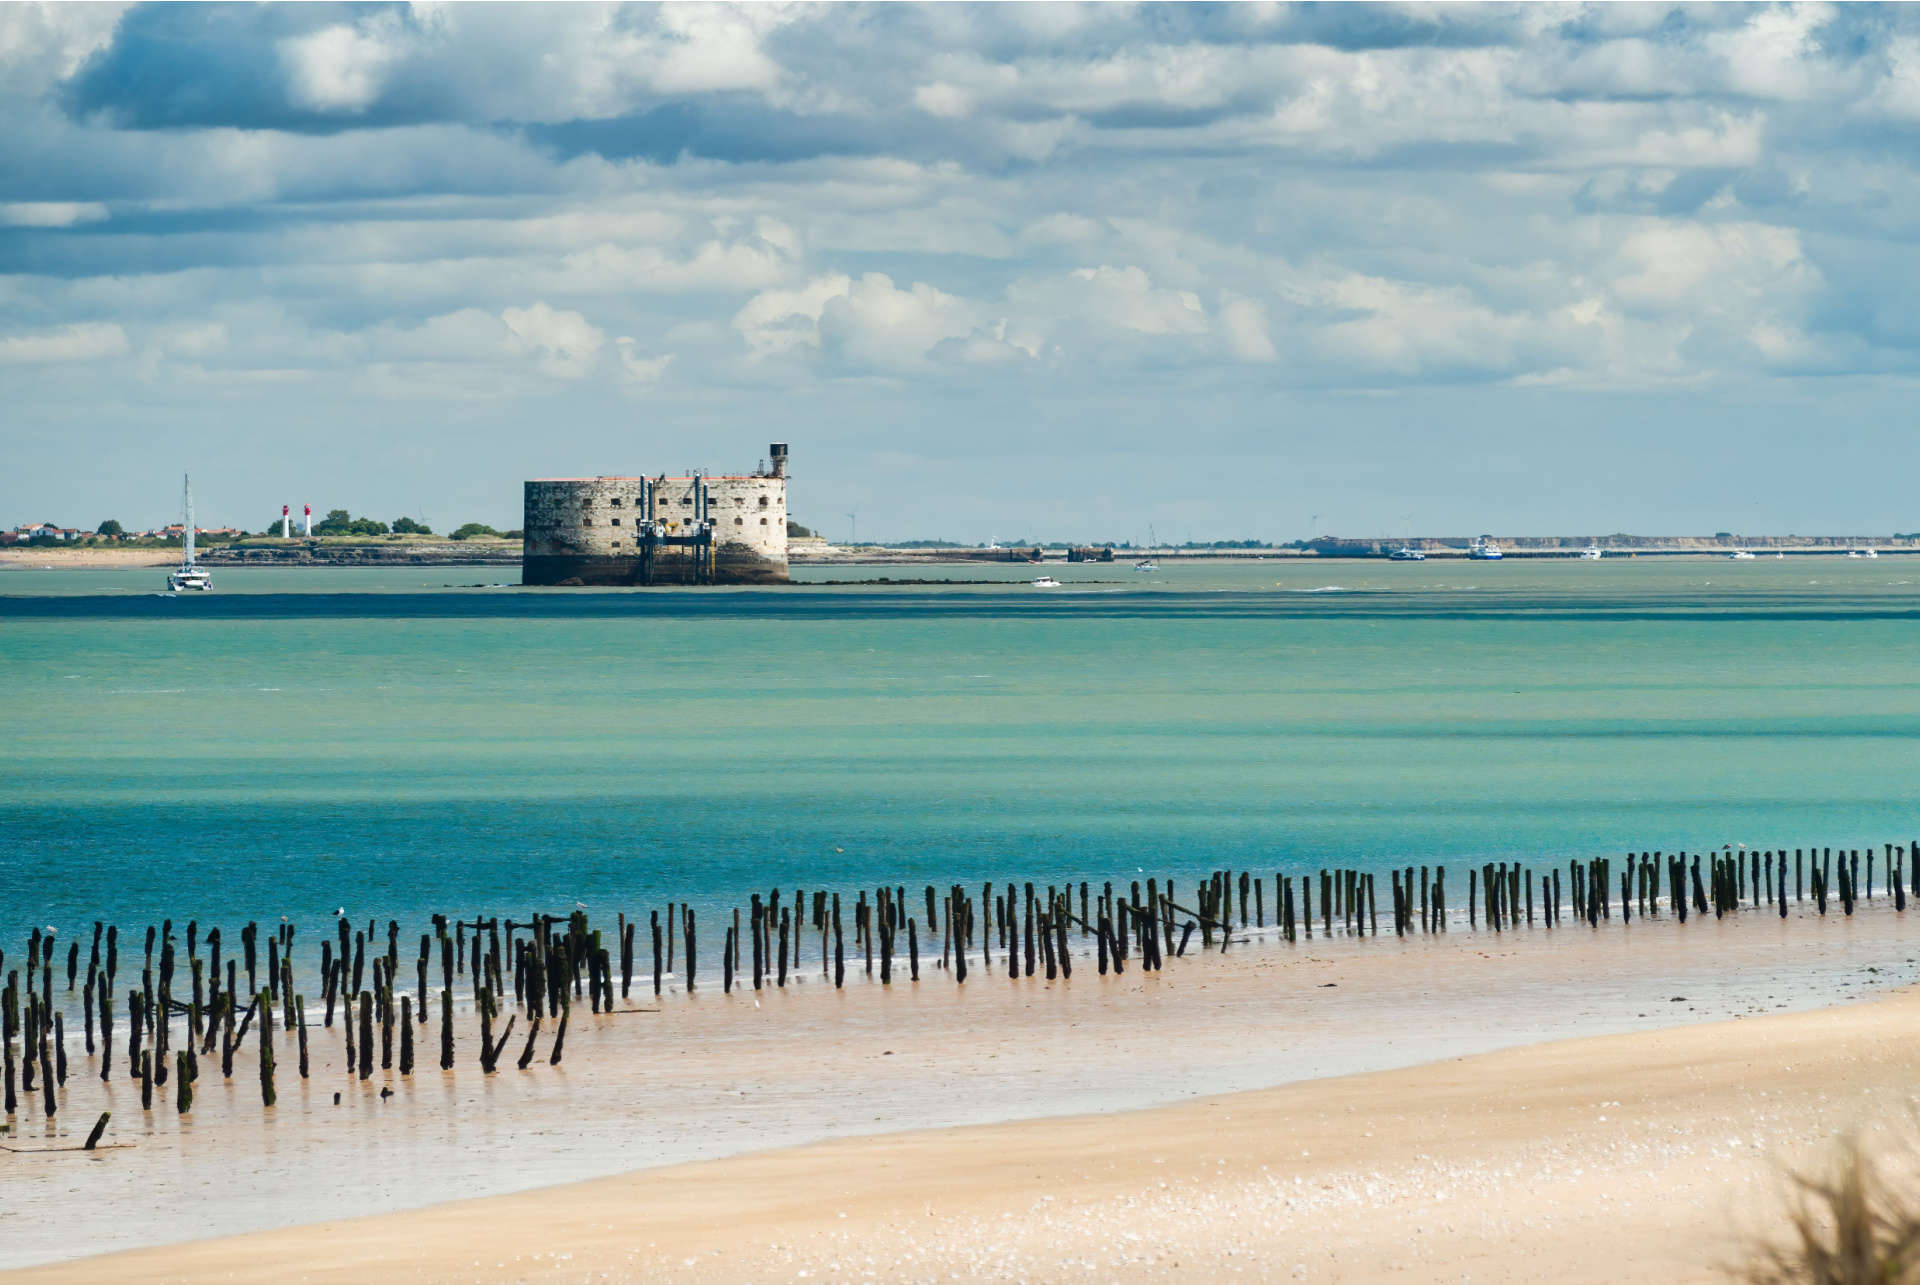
pixel 1406 553
pixel 1146 564
pixel 1592 553
pixel 1863 553
pixel 1485 550
pixel 1741 555
pixel 1045 582
pixel 188 576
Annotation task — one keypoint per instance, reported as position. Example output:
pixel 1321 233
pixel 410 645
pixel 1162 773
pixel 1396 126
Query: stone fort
pixel 658 530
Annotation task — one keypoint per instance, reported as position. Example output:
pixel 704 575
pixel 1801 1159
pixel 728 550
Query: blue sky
pixel 1016 270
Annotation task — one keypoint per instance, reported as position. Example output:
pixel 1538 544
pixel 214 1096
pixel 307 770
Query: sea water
pixel 401 741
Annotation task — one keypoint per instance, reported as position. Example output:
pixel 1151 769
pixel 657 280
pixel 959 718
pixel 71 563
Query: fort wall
pixel 657 530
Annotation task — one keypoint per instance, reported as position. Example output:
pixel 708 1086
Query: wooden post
pixel 560 1032
pixel 265 1000
pixel 533 1031
pixel 406 1038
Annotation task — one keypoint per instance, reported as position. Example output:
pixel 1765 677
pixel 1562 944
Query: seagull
pixel 839 849
pixel 340 911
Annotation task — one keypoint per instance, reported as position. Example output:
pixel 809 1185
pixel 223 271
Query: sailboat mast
pixel 187 530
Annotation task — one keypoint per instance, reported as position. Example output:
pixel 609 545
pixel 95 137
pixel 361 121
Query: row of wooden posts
pixel 1023 929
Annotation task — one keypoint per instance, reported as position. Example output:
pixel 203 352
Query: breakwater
pixel 454 1001
pixel 370 553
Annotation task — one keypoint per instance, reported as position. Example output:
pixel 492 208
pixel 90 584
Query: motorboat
pixel 1863 553
pixel 1406 553
pixel 1146 564
pixel 1485 550
pixel 1591 553
pixel 1741 555
pixel 188 576
pixel 1045 582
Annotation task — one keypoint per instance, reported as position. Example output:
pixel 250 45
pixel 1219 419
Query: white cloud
pixel 1243 325
pixel 1898 93
pixel 43 44
pixel 1087 301
pixel 1774 54
pixel 51 214
pixel 949 102
pixel 777 321
pixel 338 68
pixel 1691 268
pixel 82 341
pixel 877 325
pixel 705 47
pixel 636 369
pixel 563 343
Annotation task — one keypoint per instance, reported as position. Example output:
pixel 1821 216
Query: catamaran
pixel 1485 550
pixel 188 576
pixel 1406 553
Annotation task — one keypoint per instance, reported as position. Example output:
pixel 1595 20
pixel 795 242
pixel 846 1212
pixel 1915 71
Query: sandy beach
pixel 1652 1156
pixel 67 559
pixel 1352 1109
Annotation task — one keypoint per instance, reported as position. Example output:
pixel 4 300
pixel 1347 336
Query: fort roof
pixel 708 477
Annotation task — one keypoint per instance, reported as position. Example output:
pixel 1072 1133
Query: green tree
pixel 111 527
pixel 407 526
pixel 468 530
pixel 339 522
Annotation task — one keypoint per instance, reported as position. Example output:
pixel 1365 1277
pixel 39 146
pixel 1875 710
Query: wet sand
pixel 1501 1166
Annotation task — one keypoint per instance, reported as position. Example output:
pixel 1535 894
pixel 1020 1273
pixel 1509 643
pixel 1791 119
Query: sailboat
pixel 188 576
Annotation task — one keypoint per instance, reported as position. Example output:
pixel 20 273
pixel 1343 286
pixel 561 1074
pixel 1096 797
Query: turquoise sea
pixel 302 740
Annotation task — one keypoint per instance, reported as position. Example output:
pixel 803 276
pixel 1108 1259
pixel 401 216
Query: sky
pixel 1068 272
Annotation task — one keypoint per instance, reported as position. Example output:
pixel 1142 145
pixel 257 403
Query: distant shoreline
pixel 492 554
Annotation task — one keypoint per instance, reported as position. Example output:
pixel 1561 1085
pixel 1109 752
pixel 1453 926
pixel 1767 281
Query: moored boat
pixel 188 576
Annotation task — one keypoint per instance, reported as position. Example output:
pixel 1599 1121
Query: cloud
pixel 51 214
pixel 1243 325
pixel 563 343
pixel 636 369
pixel 779 321
pixel 80 341
pixel 876 325
pixel 336 69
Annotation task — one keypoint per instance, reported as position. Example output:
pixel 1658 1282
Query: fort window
pixel 738 522
pixel 763 501
pixel 616 544
pixel 616 521
pixel 763 521
pixel 615 501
